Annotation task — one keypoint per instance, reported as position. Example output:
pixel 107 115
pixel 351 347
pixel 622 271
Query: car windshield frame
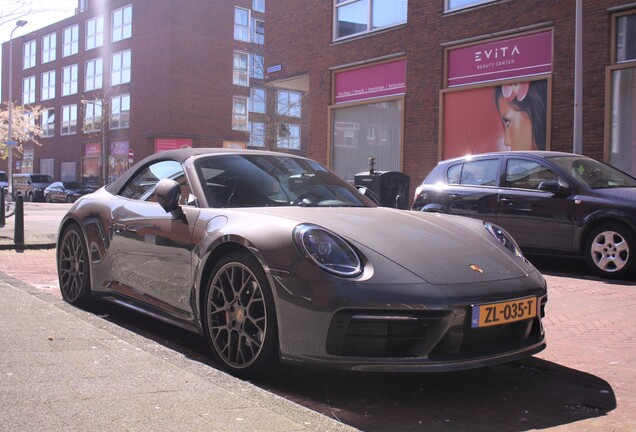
pixel 262 180
pixel 41 178
pixel 592 173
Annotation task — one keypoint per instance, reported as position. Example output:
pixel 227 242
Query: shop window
pixel 68 171
pixel 451 5
pixel 364 131
pixel 354 17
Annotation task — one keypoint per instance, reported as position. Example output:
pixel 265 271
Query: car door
pixel 153 250
pixel 472 189
pixel 535 218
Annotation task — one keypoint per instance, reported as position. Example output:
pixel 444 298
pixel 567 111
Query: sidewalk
pixel 40 226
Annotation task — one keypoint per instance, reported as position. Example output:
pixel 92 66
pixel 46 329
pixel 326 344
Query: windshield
pixel 41 179
pixel 593 173
pixel 264 180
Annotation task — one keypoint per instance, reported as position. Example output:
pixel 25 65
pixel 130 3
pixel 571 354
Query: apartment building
pixel 122 79
pixel 410 82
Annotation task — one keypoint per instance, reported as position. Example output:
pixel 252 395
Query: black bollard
pixel 18 236
pixel 2 208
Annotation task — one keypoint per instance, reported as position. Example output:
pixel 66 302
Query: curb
pixel 12 246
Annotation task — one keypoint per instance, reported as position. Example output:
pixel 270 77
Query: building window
pixel 239 113
pixel 49 43
pixel 69 80
pixel 70 40
pixel 257 100
pixel 48 123
pixel 364 131
pixel 122 23
pixel 257 68
pixel 120 68
pixel 94 32
pixel 120 112
pixel 257 31
pixel 241 76
pixel 451 5
pixel 28 55
pixel 258 5
pixel 92 116
pixel 93 70
pixel 353 17
pixel 28 90
pixel 48 85
pixel 623 94
pixel 289 103
pixel 68 171
pixel 241 24
pixel 257 134
pixel 30 121
pixel 69 120
pixel 288 136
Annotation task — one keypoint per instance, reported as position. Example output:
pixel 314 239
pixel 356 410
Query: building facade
pixel 410 82
pixel 122 79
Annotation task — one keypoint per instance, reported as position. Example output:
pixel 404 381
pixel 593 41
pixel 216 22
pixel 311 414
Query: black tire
pixel 240 320
pixel 610 251
pixel 73 268
pixel 30 198
pixel 47 198
pixel 69 199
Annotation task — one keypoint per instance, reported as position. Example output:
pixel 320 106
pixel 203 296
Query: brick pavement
pixel 590 323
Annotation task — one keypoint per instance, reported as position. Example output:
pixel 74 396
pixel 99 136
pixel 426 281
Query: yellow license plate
pixel 492 314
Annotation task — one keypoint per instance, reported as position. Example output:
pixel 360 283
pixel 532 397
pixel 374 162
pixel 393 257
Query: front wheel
pixel 610 251
pixel 240 320
pixel 73 268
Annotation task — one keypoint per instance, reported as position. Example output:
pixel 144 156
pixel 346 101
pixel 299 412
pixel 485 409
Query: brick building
pixel 411 82
pixel 122 79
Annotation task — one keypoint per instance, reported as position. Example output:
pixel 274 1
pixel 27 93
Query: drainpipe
pixel 577 146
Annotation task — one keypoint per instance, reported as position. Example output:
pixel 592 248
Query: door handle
pixel 505 200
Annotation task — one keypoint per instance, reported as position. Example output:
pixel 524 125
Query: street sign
pixel 11 143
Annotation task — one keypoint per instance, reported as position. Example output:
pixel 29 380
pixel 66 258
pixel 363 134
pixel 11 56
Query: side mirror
pixel 554 187
pixel 167 193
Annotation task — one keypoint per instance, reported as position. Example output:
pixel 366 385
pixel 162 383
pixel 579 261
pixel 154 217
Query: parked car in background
pixel 550 202
pixel 31 186
pixel 66 191
pixel 274 257
pixel 4 180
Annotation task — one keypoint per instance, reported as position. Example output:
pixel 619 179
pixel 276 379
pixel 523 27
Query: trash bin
pixel 391 187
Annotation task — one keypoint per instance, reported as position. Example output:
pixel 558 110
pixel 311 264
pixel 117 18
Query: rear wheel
pixel 610 251
pixel 240 320
pixel 73 268
pixel 69 199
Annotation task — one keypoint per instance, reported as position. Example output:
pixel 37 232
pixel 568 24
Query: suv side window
pixel 527 174
pixel 142 186
pixel 475 173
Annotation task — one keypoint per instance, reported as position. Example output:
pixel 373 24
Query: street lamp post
pixel 10 143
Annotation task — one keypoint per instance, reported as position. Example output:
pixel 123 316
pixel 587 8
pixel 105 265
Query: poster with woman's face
pixel 504 117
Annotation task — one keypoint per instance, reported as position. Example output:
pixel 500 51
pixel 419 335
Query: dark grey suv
pixel 550 202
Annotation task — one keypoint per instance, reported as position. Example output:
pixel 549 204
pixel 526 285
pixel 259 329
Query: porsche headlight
pixel 327 250
pixel 504 238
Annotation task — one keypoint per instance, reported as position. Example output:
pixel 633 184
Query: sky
pixel 37 13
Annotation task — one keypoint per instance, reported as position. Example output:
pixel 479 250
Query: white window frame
pixel 258 97
pixel 120 67
pixel 48 85
pixel 28 90
pixel 70 40
pixel 241 30
pixel 239 116
pixel 285 100
pixel 257 134
pixel 69 80
pixel 68 122
pixel 120 111
pixel 286 137
pixel 94 33
pixel 341 4
pixel 241 76
pixel 258 5
pixel 93 74
pixel 29 54
pixel 47 122
pixel 49 47
pixel 93 112
pixel 453 5
pixel 121 27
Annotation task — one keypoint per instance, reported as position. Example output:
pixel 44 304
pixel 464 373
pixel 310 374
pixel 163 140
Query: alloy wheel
pixel 72 265
pixel 610 251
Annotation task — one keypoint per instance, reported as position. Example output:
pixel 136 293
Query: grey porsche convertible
pixel 274 258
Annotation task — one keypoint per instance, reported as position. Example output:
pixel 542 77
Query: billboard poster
pixel 379 80
pixel 165 144
pixel 511 116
